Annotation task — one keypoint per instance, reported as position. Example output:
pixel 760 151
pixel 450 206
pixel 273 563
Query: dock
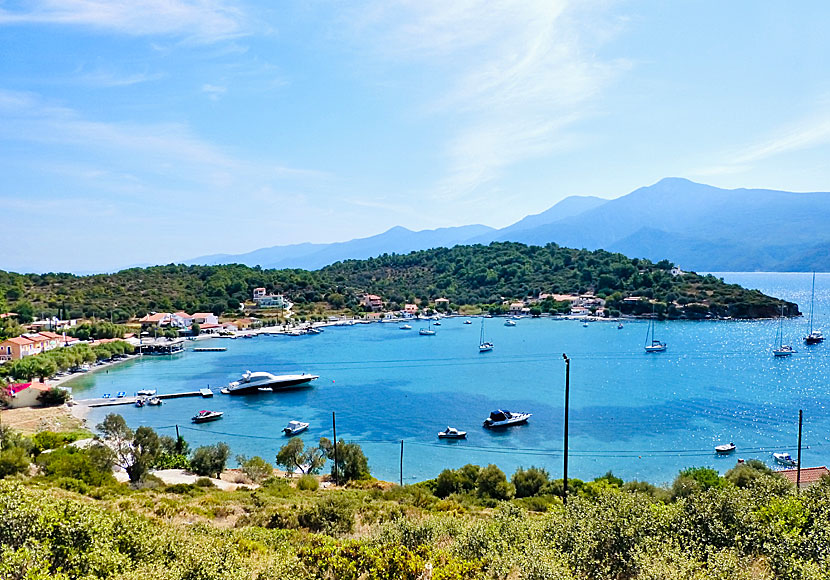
pixel 210 349
pixel 102 402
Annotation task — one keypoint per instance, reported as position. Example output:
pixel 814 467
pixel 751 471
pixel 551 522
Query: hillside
pixel 466 275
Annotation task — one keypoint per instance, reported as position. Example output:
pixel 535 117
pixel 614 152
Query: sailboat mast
pixel 812 299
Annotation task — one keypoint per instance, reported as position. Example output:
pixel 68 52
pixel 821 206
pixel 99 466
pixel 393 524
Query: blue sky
pixel 154 131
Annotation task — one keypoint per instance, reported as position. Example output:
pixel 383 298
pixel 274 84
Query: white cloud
pixel 519 74
pixel 215 92
pixel 194 20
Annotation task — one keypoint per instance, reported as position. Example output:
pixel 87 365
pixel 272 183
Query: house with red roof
pixel 809 475
pixel 23 394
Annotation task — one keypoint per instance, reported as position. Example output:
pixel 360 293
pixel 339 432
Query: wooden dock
pixel 102 402
pixel 210 349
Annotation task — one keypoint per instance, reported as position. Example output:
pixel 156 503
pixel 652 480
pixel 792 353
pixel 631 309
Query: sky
pixel 144 132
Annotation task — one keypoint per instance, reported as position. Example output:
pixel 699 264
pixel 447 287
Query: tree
pixel 492 483
pixel 351 462
pixel 529 482
pixel 13 460
pixel 195 329
pixel 293 455
pixel 53 397
pixel 256 468
pixel 133 451
pixel 210 460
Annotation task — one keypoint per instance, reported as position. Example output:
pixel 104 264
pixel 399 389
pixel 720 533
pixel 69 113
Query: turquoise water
pixel 644 416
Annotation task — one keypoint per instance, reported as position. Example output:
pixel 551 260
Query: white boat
pixel 252 382
pixel 724 449
pixel 619 326
pixel 437 323
pixel 815 336
pixel 501 418
pixel 146 392
pixel 205 416
pixel 154 401
pixel 785 459
pixel 509 322
pixel 452 433
pixel 781 349
pixel 584 325
pixel 468 321
pixel 294 428
pixel 483 344
pixel 652 344
pixel 405 327
pixel 427 331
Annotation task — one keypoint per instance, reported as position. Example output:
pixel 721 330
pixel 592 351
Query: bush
pixel 92 466
pixel 204 482
pixel 13 460
pixel 256 468
pixel 529 482
pixel 492 483
pixel 333 514
pixel 210 459
pixel 53 397
pixel 308 483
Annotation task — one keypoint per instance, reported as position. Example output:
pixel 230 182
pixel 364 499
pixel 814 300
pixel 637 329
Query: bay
pixel 643 416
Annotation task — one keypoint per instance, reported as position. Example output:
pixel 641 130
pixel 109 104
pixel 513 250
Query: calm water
pixel 644 416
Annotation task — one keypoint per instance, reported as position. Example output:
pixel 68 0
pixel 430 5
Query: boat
pixel 501 418
pixel 509 322
pixel 468 321
pixel 437 323
pixel 724 449
pixel 121 394
pixel 146 392
pixel 205 416
pixel 452 433
pixel 427 331
pixel 154 401
pixel 252 382
pixel 484 345
pixel 106 396
pixel 784 459
pixel 815 336
pixel 652 344
pixel 585 324
pixel 139 403
pixel 294 428
pixel 781 349
pixel 619 326
pixel 405 327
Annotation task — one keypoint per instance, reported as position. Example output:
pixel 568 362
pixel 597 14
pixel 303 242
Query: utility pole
pixel 401 462
pixel 798 467
pixel 334 428
pixel 567 397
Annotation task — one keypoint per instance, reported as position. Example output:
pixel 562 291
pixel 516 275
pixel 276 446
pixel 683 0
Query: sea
pixel 641 416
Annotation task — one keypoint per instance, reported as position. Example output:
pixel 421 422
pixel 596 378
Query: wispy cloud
pixel 215 92
pixel 803 134
pixel 201 21
pixel 520 74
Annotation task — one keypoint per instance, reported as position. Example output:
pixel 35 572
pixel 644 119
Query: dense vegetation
pixel 46 364
pixel 71 520
pixel 466 275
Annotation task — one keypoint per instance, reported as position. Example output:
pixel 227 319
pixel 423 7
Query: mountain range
pixel 696 226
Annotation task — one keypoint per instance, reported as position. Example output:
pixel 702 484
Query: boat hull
pixel 207 418
pixel 459 435
pixel 288 382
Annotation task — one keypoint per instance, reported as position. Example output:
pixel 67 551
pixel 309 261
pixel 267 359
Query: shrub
pixel 308 483
pixel 13 460
pixel 204 482
pixel 256 468
pixel 529 482
pixel 53 397
pixel 210 459
pixel 492 483
pixel 332 514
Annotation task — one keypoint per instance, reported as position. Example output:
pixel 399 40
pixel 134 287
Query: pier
pixel 210 349
pixel 102 402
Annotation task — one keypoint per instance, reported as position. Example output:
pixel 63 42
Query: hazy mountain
pixel 697 226
pixel 313 256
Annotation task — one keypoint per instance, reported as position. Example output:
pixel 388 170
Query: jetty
pixel 106 402
pixel 210 349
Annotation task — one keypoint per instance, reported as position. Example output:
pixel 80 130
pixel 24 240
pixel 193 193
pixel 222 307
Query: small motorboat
pixel 294 428
pixel 106 396
pixel 153 401
pixel 121 394
pixel 405 327
pixel 452 433
pixel 509 322
pixel 501 418
pixel 584 325
pixel 205 416
pixel 140 402
pixel 785 459
pixel 619 326
pixel 225 391
pixel 146 393
pixel 468 321
pixel 724 449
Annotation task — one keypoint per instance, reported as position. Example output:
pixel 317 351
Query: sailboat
pixel 484 345
pixel 815 336
pixel 781 349
pixel 652 344
pixel 427 331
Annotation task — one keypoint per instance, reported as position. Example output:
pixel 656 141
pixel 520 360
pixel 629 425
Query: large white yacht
pixel 262 380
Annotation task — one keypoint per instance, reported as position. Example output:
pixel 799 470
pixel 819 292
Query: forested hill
pixel 465 275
